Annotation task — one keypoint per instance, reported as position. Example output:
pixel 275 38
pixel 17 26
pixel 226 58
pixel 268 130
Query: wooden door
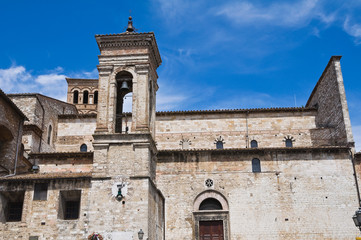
pixel 211 230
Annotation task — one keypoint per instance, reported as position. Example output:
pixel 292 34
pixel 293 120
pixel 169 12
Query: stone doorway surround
pixel 211 215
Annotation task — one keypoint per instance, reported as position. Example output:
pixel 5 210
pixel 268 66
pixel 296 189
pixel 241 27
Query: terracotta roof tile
pixel 46 176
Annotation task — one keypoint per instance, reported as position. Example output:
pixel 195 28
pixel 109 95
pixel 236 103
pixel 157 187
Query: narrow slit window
pixel 254 144
pixel 219 145
pixel 96 97
pixel 85 97
pixel 83 148
pixel 75 96
pixel 289 143
pixel 50 130
pixel 256 165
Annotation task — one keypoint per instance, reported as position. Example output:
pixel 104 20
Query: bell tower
pixel 124 161
pixel 127 64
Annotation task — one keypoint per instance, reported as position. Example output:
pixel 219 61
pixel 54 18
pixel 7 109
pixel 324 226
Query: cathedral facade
pixel 88 169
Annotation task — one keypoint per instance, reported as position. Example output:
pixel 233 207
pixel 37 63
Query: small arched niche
pixel 124 82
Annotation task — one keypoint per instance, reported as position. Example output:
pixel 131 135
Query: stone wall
pixel 269 129
pixel 330 99
pixel 11 129
pixel 81 85
pixel 237 130
pixel 42 112
pixel 41 217
pixel 303 194
pixel 75 131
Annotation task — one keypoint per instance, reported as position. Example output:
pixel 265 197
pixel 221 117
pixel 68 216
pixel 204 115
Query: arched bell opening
pixel 124 82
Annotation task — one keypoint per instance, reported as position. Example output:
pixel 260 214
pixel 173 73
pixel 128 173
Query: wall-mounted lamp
pixel 35 168
pixel 140 234
pixel 357 218
pixel 119 196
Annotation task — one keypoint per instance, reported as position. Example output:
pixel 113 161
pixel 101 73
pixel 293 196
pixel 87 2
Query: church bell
pixel 124 86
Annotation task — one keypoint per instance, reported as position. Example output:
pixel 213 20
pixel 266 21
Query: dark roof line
pixel 60 154
pixel 244 110
pixel 286 109
pixel 124 33
pixel 288 149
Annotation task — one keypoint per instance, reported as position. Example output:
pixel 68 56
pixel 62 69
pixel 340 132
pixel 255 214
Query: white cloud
pixel 294 14
pixel 353 30
pixel 50 79
pixel 93 74
pixel 17 79
pixel 170 102
pixel 11 76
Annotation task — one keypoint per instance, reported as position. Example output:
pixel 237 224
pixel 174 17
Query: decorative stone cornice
pixel 129 40
pixel 105 70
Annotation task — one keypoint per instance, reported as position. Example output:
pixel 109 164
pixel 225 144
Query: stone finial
pixel 130 27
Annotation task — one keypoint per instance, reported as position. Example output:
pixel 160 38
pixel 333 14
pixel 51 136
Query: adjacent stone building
pixel 269 173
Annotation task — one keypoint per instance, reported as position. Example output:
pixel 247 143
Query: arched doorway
pixel 211 219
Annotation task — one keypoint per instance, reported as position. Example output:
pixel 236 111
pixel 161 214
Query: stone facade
pixel 40 132
pixel 83 93
pixel 11 130
pixel 272 173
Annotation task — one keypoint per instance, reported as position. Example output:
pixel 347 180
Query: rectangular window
pixel 11 206
pixel 69 204
pixel 40 191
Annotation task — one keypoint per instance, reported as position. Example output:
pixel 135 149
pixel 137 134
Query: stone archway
pixel 211 216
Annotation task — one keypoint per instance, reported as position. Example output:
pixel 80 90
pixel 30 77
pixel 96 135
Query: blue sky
pixel 216 54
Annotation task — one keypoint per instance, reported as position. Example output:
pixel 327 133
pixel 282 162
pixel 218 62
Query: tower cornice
pixel 128 40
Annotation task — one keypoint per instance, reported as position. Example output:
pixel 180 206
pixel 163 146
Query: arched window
pixel 85 97
pixel 50 130
pixel 289 143
pixel 219 145
pixel 254 144
pixel 210 204
pixel 96 97
pixel 75 96
pixel 256 165
pixel 83 148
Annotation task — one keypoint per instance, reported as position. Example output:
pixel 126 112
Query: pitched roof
pixel 13 105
